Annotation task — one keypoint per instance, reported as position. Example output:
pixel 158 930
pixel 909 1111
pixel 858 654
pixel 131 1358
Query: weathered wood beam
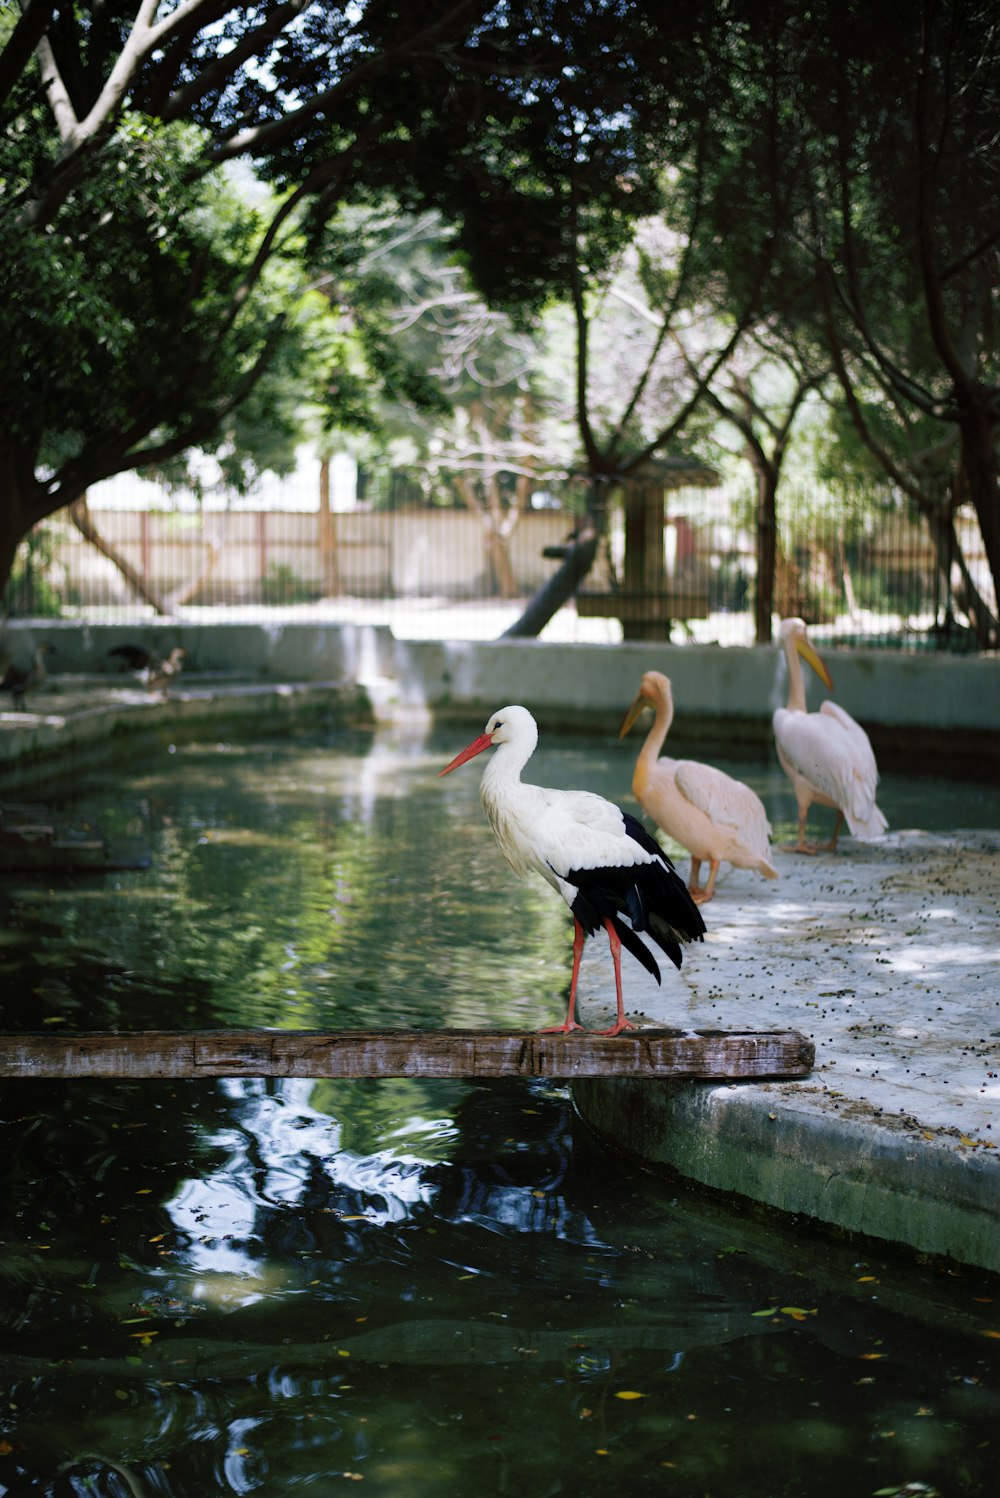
pixel 405 1053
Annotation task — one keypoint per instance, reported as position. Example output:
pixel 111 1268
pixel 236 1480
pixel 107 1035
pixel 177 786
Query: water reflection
pixel 434 1288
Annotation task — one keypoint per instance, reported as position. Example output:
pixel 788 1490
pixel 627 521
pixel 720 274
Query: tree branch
pixel 28 31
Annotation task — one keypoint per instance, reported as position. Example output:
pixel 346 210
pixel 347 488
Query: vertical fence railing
pixel 861 567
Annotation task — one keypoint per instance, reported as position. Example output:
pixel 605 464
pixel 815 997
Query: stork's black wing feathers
pixel 652 895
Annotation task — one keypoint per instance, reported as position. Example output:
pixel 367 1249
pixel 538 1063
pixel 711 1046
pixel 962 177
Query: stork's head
pixel 795 636
pixel 511 725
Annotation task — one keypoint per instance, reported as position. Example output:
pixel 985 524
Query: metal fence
pixel 860 567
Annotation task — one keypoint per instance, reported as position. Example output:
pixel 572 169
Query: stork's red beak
pixel 484 741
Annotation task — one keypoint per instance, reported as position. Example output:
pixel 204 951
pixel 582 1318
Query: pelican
pixel 601 860
pixel 716 818
pixel 826 755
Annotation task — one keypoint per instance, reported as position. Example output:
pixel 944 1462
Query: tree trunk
pixel 581 553
pixel 983 488
pixel 82 519
pixel 15 502
pixel 949 554
pixel 329 560
pixel 767 552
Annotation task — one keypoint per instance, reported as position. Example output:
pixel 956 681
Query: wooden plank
pixel 405 1053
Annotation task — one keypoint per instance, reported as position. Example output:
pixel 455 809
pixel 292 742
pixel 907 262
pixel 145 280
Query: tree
pixel 895 180
pixel 137 317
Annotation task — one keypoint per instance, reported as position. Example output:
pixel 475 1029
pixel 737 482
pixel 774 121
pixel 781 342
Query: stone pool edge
pixel 85 726
pixel 769 1144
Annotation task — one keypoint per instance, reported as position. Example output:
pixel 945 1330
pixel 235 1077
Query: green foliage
pixel 30 589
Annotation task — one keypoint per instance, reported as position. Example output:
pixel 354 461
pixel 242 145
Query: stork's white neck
pixel 502 774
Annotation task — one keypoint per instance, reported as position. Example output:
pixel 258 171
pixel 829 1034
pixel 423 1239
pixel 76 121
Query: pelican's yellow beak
pixel 632 714
pixel 808 654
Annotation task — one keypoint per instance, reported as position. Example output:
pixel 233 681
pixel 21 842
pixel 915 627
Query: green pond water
pixel 430 1288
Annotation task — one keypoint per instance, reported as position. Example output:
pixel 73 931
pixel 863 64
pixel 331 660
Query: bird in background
pixel 133 657
pixel 19 681
pixel 167 670
pixel 716 818
pixel 151 669
pixel 826 755
pixel 607 868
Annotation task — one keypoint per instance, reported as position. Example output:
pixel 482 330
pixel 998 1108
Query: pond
pixel 249 1286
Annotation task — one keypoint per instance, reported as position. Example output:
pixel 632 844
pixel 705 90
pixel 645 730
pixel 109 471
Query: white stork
pixel 716 818
pixel 826 755
pixel 601 860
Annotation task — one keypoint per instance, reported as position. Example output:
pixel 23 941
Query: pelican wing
pixel 832 752
pixel 727 802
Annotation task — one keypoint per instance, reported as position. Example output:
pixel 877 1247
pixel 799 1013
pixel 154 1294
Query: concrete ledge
pixel 86 723
pixel 768 1145
pixel 724 694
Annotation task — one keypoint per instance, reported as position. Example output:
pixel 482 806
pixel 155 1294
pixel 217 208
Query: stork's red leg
pixel 579 938
pixel 621 1023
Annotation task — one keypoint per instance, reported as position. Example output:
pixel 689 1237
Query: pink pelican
pixel 826 755
pixel 716 818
